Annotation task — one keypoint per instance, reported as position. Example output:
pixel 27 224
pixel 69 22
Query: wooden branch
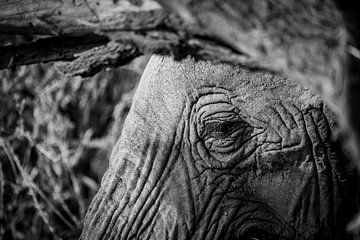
pixel 48 49
pixel 144 28
pixel 77 17
pixel 88 63
pixel 301 41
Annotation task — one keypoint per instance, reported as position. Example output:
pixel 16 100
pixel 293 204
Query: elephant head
pixel 219 152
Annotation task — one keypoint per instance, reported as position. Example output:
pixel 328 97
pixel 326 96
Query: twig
pixel 27 181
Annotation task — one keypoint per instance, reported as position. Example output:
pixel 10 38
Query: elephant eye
pixel 220 129
pixel 224 132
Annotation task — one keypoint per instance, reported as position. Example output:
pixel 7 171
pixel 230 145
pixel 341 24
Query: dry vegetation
pixel 56 137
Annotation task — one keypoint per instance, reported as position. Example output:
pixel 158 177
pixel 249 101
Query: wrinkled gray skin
pixel 216 152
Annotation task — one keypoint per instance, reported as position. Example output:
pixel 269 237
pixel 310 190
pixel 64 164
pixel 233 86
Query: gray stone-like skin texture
pixel 217 152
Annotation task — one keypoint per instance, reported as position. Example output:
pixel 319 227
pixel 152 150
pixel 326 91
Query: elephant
pixel 213 151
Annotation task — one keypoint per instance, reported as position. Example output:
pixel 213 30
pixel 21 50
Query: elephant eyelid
pixel 225 116
pixel 220 129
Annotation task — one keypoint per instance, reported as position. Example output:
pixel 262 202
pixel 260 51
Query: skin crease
pixel 217 152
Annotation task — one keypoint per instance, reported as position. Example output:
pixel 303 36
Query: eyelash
pixel 220 127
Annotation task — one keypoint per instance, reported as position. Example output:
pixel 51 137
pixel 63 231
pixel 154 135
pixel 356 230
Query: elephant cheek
pixel 118 212
pixel 104 207
pixel 142 199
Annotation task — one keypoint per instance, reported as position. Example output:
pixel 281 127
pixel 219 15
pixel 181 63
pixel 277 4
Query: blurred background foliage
pixel 56 135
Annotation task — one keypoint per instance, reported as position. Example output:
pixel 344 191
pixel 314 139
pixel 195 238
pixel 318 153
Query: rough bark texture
pixel 48 49
pixel 139 28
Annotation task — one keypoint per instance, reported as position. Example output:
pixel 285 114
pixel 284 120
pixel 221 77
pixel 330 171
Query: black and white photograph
pixel 179 120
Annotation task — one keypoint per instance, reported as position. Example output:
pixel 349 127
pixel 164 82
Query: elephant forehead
pixel 167 85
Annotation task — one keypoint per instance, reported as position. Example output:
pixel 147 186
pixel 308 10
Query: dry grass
pixel 55 138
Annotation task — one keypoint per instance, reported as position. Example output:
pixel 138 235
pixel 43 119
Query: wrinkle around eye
pixel 225 115
pixel 221 133
pixel 220 147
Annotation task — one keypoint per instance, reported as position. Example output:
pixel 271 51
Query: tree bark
pixel 143 26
